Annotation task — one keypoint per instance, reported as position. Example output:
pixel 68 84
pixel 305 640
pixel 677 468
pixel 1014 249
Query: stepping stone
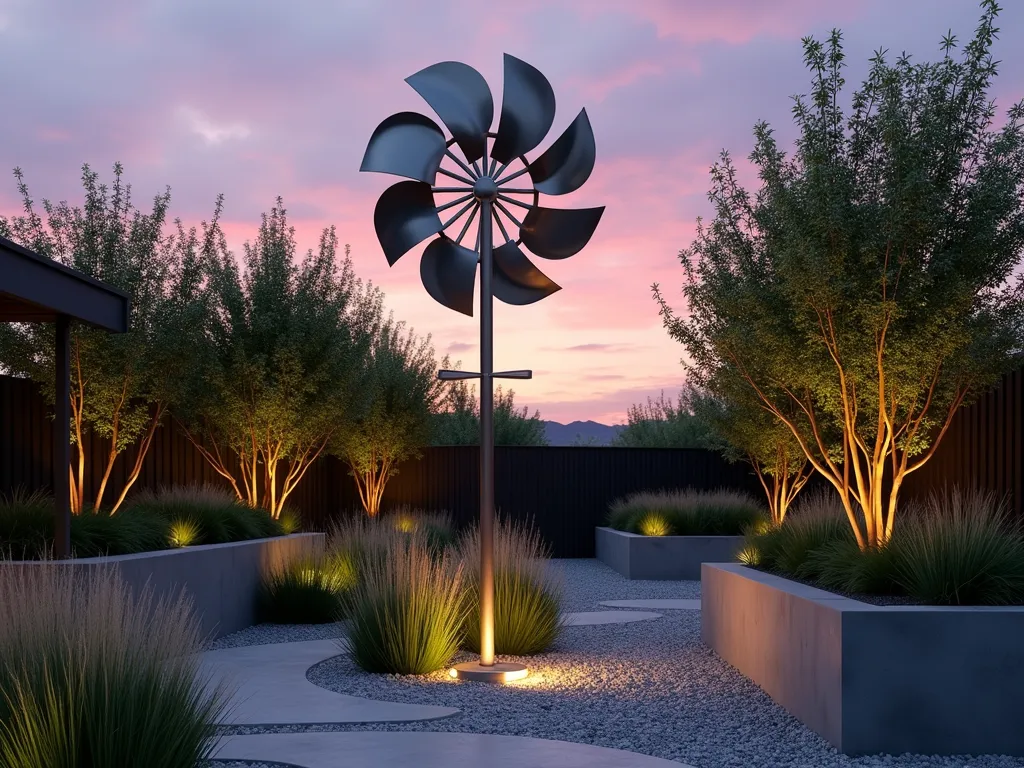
pixel 374 749
pixel 657 605
pixel 269 687
pixel 588 618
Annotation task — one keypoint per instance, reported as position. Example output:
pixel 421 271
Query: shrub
pixel 407 609
pixel 654 524
pixel 818 521
pixel 686 513
pixel 961 549
pixel 527 599
pixel 183 532
pixel 290 521
pixel 218 514
pixel 840 565
pixel 307 591
pixel 94 676
pixel 26 524
pixel 435 527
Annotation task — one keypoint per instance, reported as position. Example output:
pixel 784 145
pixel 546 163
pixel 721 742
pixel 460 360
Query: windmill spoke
pixel 500 171
pixel 515 175
pixel 463 190
pixel 458 215
pixel 517 191
pixel 461 164
pixel 503 209
pixel 494 164
pixel 455 202
pixel 465 227
pixel 501 226
pixel 476 167
pixel 512 201
pixel 455 176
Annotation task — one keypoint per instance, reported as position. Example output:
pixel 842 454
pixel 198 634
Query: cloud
pixel 460 346
pixel 211 132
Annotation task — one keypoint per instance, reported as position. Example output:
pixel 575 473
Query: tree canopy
pixel 662 423
pixel 867 290
pixel 401 390
pixel 286 345
pixel 121 384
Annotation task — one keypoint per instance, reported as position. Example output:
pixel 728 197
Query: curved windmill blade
pixel 448 272
pixel 566 165
pixel 404 216
pixel 460 97
pixel 527 110
pixel 406 144
pixel 558 233
pixel 516 279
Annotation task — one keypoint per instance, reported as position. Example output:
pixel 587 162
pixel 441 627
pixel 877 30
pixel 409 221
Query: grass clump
pixel 309 590
pixel 407 609
pixel 527 599
pixel 183 532
pixel 94 677
pixel 959 548
pixel 686 513
pixel 217 513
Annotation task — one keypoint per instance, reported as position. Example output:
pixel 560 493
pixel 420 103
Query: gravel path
pixel 648 687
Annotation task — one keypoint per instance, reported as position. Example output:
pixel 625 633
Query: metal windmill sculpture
pixel 478 188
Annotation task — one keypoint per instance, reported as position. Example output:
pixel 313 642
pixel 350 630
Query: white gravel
pixel 648 687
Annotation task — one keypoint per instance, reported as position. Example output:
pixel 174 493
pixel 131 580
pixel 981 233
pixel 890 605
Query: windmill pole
pixel 486 437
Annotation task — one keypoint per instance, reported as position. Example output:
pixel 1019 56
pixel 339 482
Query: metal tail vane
pixel 477 187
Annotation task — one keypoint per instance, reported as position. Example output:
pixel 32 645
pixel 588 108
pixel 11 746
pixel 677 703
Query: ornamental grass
pixel 527 596
pixel 93 676
pixel 687 513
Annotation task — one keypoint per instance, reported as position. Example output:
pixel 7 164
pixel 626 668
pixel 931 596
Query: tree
pixel 457 421
pixel 742 430
pixel 400 381
pixel 286 344
pixel 121 384
pixel 867 290
pixel 662 424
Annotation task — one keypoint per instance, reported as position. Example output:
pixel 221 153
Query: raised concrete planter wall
pixel 221 579
pixel 873 679
pixel 663 557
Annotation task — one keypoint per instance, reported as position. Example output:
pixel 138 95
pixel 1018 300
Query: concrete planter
pixel 663 558
pixel 221 579
pixel 873 679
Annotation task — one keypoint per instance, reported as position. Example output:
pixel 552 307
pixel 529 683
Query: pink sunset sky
pixel 260 98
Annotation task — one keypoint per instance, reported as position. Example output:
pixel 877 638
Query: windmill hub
pixel 485 189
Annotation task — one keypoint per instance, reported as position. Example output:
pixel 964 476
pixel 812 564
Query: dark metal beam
pixel 48 286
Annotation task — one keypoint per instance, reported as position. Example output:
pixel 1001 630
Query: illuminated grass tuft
pixel 654 524
pixel 527 599
pixel 183 532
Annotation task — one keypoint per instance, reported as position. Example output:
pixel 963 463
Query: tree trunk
pixel 147 441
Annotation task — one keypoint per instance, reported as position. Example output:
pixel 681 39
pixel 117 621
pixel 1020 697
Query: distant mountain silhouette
pixel 567 434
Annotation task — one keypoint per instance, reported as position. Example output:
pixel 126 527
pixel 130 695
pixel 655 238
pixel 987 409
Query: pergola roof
pixel 35 289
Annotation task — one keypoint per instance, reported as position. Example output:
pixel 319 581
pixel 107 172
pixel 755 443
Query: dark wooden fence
pixel 566 491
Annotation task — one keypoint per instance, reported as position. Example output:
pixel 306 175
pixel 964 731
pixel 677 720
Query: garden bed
pixel 870 678
pixel 663 557
pixel 223 580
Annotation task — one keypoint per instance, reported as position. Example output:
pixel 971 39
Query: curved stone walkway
pixel 593 618
pixel 664 604
pixel 270 688
pixel 424 749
